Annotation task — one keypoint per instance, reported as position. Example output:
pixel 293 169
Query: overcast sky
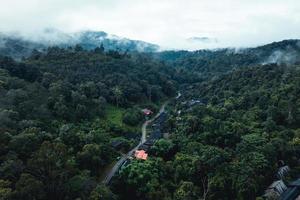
pixel 169 23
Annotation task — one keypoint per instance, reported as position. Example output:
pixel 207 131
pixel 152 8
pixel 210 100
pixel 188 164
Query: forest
pixel 61 109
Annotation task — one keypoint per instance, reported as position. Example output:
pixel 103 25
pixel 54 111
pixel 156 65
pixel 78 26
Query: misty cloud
pixel 283 57
pixel 165 22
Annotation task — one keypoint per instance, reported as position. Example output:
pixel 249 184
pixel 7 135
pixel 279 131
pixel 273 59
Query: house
pixel 147 112
pixel 292 192
pixel 140 154
pixel 283 171
pixel 275 189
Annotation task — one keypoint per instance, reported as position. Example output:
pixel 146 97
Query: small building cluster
pixel 275 190
pixel 279 190
pixel 155 135
pixel 292 192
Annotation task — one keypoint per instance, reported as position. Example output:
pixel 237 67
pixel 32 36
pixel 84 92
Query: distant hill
pixel 17 46
pixel 285 48
pixel 219 61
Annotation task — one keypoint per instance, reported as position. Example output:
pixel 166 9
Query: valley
pixel 73 120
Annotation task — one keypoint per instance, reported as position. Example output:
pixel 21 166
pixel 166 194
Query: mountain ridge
pixel 17 46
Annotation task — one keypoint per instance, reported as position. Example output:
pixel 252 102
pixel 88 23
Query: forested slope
pixel 236 121
pixel 212 63
pixel 60 111
pixel 232 142
pixel 227 146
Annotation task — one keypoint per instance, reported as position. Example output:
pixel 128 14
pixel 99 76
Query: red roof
pixel 147 111
pixel 141 154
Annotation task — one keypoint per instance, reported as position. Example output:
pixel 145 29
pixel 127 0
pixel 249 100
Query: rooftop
pixel 147 111
pixel 140 154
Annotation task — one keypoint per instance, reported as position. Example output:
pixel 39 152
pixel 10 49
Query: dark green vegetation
pixel 208 64
pixel 227 147
pixel 60 110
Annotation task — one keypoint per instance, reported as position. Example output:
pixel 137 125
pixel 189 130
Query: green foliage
pixel 101 192
pixel 163 148
pixel 142 173
pixel 132 117
pixel 229 147
pixel 5 190
pixel 61 109
pixel 80 186
pixel 186 191
pixel 94 156
pixel 52 166
pixel 28 187
pixel 237 138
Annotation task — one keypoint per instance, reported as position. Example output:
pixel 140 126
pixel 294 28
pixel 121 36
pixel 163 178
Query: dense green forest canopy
pixel 65 106
pixel 229 145
pixel 210 63
pixel 236 121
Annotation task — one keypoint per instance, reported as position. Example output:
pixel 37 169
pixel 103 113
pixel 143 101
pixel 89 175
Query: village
pixel 153 125
pixel 155 129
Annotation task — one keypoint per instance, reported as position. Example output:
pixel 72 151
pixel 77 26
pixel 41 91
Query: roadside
pixel 108 176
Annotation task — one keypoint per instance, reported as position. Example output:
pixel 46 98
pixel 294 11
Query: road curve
pixel 116 167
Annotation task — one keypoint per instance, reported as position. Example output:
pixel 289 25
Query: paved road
pixel 116 167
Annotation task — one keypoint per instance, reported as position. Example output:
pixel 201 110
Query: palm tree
pixel 118 93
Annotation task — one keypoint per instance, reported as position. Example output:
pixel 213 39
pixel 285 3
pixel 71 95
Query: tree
pixel 28 187
pixel 140 179
pixel 5 189
pixel 52 166
pixel 93 157
pixel 163 148
pixel 186 191
pixel 80 186
pixel 185 167
pixel 11 167
pixel 100 49
pixel 132 117
pixel 4 141
pixel 24 144
pixel 101 192
pixel 118 94
pixel 78 48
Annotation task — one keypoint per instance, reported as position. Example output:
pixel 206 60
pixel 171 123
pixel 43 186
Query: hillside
pixel 60 112
pixel 234 124
pixel 216 62
pixel 237 133
pixel 18 46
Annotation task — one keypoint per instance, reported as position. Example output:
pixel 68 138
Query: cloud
pixel 168 23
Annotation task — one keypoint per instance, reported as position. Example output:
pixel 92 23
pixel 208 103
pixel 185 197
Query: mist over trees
pixel 61 109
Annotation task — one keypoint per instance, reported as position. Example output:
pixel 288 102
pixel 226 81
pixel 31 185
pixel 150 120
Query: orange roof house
pixel 141 154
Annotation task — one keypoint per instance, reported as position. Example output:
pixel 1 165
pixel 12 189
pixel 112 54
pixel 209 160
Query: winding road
pixel 120 162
